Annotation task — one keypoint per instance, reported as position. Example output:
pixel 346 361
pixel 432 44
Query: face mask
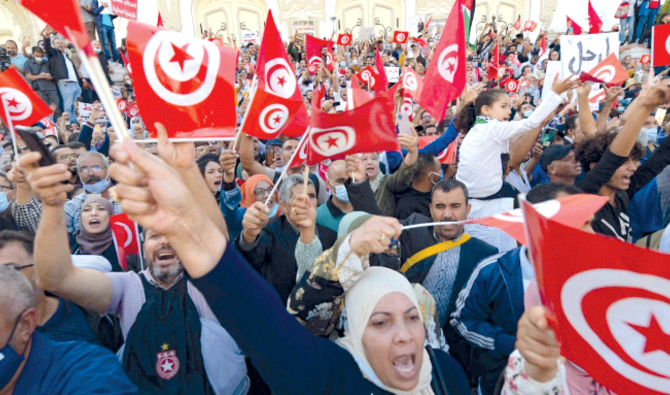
pixel 354 62
pixel 129 83
pixel 9 359
pixel 98 187
pixel 621 109
pixel 643 138
pixel 273 210
pixel 38 59
pixel 11 53
pixel 441 174
pixel 341 194
pixel 431 44
pixel 652 134
pixel 343 64
pixel 528 113
pixel 98 50
pixel 4 202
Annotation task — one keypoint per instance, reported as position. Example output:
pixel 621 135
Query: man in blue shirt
pixel 17 60
pixel 104 19
pixel 31 364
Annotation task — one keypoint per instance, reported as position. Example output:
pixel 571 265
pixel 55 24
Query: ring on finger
pixel 381 238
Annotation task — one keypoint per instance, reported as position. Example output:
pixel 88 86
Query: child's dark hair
pixel 466 118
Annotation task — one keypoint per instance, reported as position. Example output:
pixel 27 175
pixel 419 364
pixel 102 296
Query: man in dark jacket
pixel 441 258
pixel 64 72
pixel 488 310
pixel 269 245
pixel 416 199
pixel 38 73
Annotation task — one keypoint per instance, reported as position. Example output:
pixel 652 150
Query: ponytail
pixel 465 119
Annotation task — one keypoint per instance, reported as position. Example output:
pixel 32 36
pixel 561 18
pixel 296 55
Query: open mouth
pixel 405 365
pixel 217 183
pixel 94 223
pixel 165 255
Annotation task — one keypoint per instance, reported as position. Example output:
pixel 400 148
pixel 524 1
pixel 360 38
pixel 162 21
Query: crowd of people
pixel 313 287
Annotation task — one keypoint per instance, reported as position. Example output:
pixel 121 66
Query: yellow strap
pixel 433 250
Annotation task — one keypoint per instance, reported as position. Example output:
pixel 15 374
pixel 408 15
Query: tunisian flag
pixel 609 71
pixel 383 82
pixel 609 304
pixel 277 100
pixel 313 48
pixel 411 82
pixel 400 37
pixel 184 82
pixel 19 104
pixel 369 76
pixel 344 39
pixel 445 77
pixel 660 47
pixel 595 23
pixel 530 26
pixel 126 238
pixel 63 16
pixel 517 24
pixel 367 128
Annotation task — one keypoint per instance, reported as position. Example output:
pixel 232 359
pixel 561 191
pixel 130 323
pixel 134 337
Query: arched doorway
pixel 383 16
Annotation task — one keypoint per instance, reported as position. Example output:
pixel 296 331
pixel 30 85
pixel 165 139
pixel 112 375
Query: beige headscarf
pixel 360 301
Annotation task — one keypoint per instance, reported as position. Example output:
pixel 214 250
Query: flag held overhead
pixel 19 104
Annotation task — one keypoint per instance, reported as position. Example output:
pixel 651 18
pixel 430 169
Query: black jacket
pixel 57 62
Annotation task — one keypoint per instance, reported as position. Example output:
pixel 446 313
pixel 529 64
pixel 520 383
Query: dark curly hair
pixel 592 149
pixel 466 118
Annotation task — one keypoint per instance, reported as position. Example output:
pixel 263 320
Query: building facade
pixel 244 19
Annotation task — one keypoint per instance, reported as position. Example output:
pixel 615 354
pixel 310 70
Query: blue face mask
pixel 621 109
pixel 273 210
pixel 98 187
pixel 4 202
pixel 341 194
pixel 98 50
pixel 528 113
pixel 343 64
pixel 9 359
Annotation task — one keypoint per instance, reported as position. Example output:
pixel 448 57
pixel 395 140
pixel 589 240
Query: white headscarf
pixel 360 301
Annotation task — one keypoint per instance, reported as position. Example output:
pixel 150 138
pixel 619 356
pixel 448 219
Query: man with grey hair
pixel 269 244
pixel 92 168
pixel 31 364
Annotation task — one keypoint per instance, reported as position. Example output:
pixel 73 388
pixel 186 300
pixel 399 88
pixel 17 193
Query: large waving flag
pixel 445 77
pixel 383 83
pixel 595 23
pixel 313 48
pixel 367 128
pixel 63 16
pixel 183 82
pixel 277 101
pixel 609 71
pixel 609 304
pixel 19 104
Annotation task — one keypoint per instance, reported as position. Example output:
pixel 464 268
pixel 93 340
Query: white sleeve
pixel 504 130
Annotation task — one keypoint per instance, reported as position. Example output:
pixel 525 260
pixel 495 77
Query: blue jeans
pixel 627 23
pixel 108 41
pixel 69 91
pixel 647 17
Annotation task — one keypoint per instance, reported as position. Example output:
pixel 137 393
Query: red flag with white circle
pixel 609 71
pixel 367 128
pixel 529 26
pixel 277 102
pixel 188 84
pixel 19 104
pixel 661 45
pixel 445 76
pixel 400 37
pixel 133 109
pixel 122 105
pixel 126 238
pixel 368 76
pixel 517 24
pixel 344 39
pixel 609 308
pixel 314 48
pixel 645 59
pixel 512 86
pixel 411 82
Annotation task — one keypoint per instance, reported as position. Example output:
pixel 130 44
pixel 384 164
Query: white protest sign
pixel 85 112
pixel 392 73
pixel 553 70
pixel 413 24
pixel 365 33
pixel 249 37
pixel 583 53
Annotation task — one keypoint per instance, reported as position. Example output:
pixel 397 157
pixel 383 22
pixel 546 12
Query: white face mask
pixel 643 138
pixel 652 134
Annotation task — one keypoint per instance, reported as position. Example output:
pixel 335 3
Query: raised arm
pixel 247 157
pixel 181 156
pixel 586 121
pixel 611 95
pixel 55 273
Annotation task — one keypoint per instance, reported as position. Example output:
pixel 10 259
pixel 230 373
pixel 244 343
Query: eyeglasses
pixel 87 169
pixel 68 156
pixel 262 192
pixel 18 267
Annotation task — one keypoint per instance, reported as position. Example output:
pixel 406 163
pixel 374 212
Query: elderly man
pixel 64 72
pixel 269 244
pixel 31 364
pixel 172 338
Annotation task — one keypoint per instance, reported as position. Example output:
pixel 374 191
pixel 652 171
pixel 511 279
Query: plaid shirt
pixel 73 212
pixel 27 216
